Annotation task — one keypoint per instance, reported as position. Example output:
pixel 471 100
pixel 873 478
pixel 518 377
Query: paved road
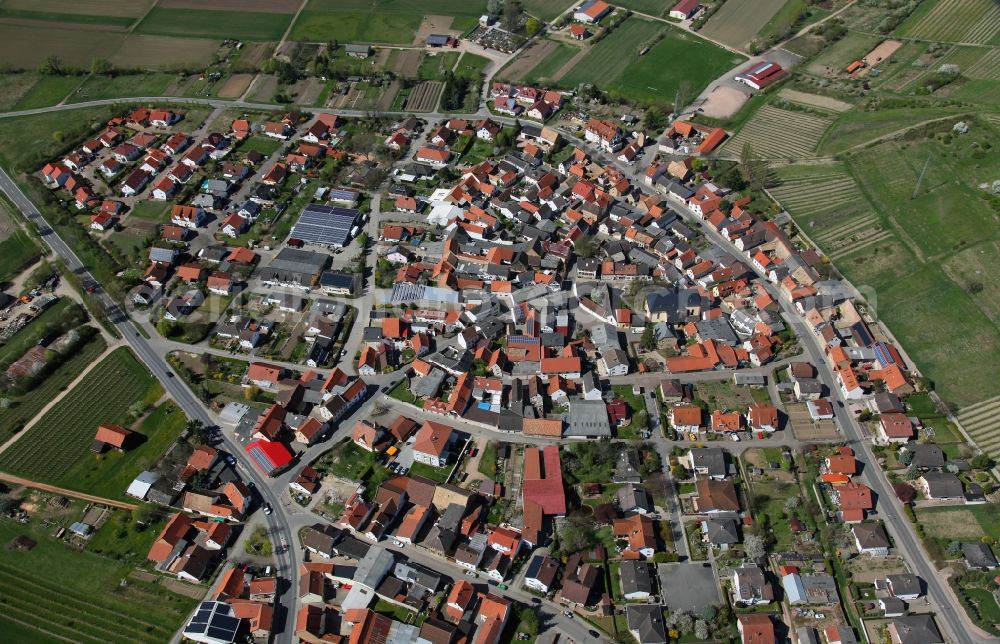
pixel 287 559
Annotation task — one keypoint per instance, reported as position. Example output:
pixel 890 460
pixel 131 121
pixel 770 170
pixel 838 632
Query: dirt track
pixel 16 480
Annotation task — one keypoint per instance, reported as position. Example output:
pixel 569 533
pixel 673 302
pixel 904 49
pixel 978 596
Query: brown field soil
pixel 78 26
pixel 180 85
pixel 424 96
pixel 268 6
pixel 408 63
pixel 148 52
pixel 308 90
pixel 264 88
pixel 815 100
pixel 14 87
pixel 236 85
pixel 953 524
pixel 528 59
pixel 253 54
pixel 434 25
pixel 570 64
pixel 134 8
pixel 723 102
pixel 388 96
pixel 26 47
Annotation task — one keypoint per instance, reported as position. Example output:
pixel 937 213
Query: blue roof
pixel 437 39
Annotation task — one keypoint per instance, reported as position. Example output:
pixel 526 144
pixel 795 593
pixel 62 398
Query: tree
pixel 701 629
pixel 911 473
pixel 511 14
pixel 585 246
pixel 656 120
pixel 142 513
pixel 792 502
pixel 494 7
pixel 682 621
pixel 51 66
pixel 532 26
pixel 905 493
pixel 905 456
pixel 981 462
pixel 102 67
pixel 605 513
pixel 755 170
pixel 710 612
pixel 678 471
pixel 754 546
pixel 9 504
pixel 648 339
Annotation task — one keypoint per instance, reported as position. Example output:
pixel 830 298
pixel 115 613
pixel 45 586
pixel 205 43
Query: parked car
pixel 267 508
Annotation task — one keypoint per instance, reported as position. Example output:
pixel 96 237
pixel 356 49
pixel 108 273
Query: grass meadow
pixel 219 25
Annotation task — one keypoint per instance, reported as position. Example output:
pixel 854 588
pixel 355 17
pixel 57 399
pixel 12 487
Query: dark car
pixel 593 633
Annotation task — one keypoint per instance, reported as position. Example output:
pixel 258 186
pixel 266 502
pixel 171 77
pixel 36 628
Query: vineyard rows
pixel 65 433
pixel 971 21
pixel 980 421
pixel 780 134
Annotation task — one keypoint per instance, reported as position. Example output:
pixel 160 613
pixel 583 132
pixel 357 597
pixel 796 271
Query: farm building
pixel 440 40
pixel 271 457
pixel 684 9
pixel 325 225
pixel 113 436
pixel 358 50
pixel 591 11
pixel 761 75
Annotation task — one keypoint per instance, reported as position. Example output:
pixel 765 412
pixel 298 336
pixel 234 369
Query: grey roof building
pixel 942 485
pixel 637 579
pixel 979 555
pixel 915 629
pixel 295 267
pixel 325 225
pixel 721 531
pixel 588 419
pixel 646 624
pixel 633 498
pixel 709 461
pixel 926 455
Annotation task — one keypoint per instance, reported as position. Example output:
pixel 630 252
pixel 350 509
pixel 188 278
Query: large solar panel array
pixel 327 225
pixel 213 622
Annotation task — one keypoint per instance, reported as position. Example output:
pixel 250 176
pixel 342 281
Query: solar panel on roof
pixel 328 225
pixel 261 458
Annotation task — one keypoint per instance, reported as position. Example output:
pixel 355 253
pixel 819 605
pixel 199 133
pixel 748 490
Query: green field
pixel 78 18
pixel 355 26
pixel 63 436
pixel 49 90
pixel 25 407
pixel 548 66
pixel 27 143
pixel 614 64
pixel 471 66
pixel 433 67
pixel 53 593
pixel 108 476
pixel 17 250
pixel 124 86
pixel 205 23
pixel 545 9
pixel 857 128
pixel 150 210
pixel 969 21
pixel 378 21
pixel 737 22
pixel 652 7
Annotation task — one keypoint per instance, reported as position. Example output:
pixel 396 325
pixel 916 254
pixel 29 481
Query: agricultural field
pixel 218 25
pixel 145 51
pixel 858 128
pixel 124 86
pixel 13 88
pixel 828 206
pixel 779 134
pixel 110 475
pixel 614 63
pixel 471 66
pixel 610 57
pixel 25 407
pixel 49 90
pixel 25 47
pixel 982 424
pixel 434 66
pixel 547 10
pixel 814 101
pixel 540 61
pixel 119 8
pixel 53 593
pixel 66 19
pixel 62 437
pixel 17 249
pixel 424 97
pixel 968 21
pixel 385 21
pixel 737 22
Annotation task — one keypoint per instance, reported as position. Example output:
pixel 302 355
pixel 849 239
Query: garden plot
pixel 779 134
pixel 424 96
pixel 815 101
pixel 738 21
